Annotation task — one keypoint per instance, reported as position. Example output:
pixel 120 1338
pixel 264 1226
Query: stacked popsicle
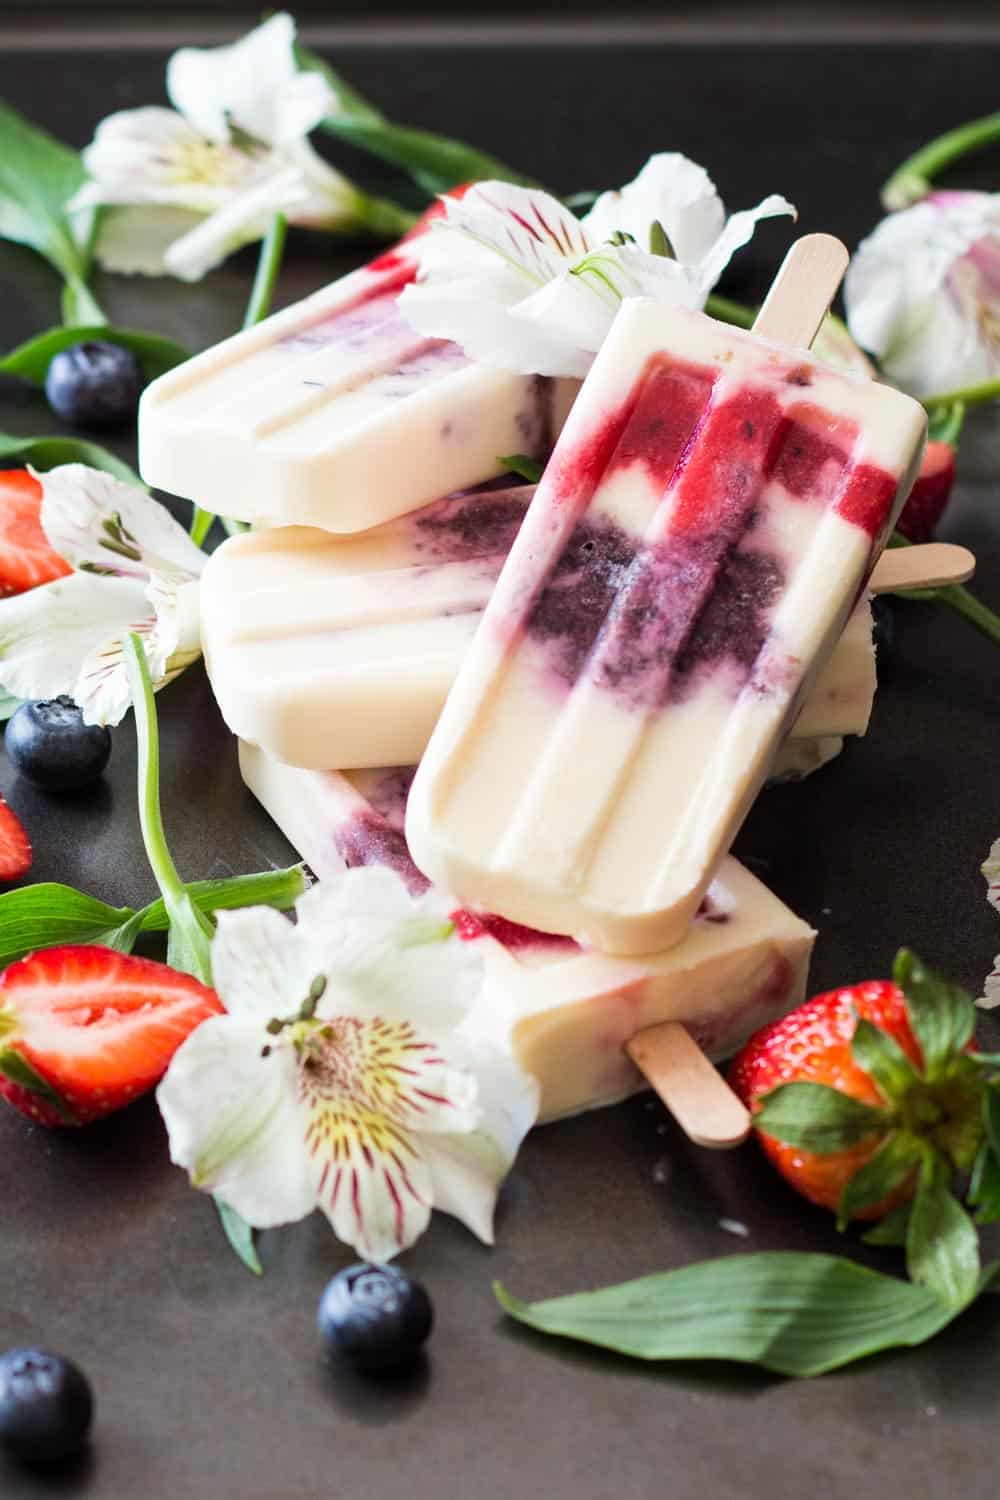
pixel 596 676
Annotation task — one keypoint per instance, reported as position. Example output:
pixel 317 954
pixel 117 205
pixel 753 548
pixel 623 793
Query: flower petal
pixel 394 956
pixel 239 221
pixel 370 1181
pixel 235 1124
pixel 49 632
pixel 467 1170
pixel 262 965
pixel 101 525
pixel 254 84
pixel 134 241
pixel 991 871
pixel 672 190
pixel 528 230
pixel 737 232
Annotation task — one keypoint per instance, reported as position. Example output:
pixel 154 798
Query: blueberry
pixel 95 385
pixel 375 1317
pixel 49 743
pixel 46 1405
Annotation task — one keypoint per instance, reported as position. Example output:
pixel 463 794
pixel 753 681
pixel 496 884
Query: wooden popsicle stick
pixel 696 1094
pixel 802 291
pixel 927 566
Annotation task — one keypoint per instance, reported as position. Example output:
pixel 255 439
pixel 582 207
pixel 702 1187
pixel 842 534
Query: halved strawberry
pixel 15 846
pixel 930 494
pixel 85 1030
pixel 26 558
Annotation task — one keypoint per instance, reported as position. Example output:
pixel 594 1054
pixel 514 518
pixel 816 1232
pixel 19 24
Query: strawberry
pixel 930 494
pixel 26 558
pixel 863 1088
pixel 85 1030
pixel 15 846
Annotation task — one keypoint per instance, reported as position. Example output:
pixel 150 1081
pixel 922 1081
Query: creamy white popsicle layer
pixel 335 413
pixel 340 650
pixel 700 536
pixel 565 1012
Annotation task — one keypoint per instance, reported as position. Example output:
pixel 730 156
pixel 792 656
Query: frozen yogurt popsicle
pixel 704 528
pixel 335 413
pixel 567 1013
pixel 340 650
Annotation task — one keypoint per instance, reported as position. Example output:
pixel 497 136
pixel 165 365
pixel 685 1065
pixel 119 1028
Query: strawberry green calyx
pixel 930 1111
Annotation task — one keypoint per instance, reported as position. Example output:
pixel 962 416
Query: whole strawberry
pixel 86 1030
pixel 930 494
pixel 873 1095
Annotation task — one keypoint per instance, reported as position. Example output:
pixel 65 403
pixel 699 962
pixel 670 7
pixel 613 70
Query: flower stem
pixel 735 313
pixel 969 396
pixel 268 266
pixel 956 596
pixel 190 929
pixel 911 181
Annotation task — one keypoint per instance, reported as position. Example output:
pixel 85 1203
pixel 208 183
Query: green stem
pixel 383 219
pixel 268 266
pixel 946 424
pixel 969 396
pixel 911 181
pixel 190 929
pixel 735 313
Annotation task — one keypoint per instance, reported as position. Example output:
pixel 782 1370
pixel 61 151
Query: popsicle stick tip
pixel 696 1094
pixel 802 291
pixel 929 565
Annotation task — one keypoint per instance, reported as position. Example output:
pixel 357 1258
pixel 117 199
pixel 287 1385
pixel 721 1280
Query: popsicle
pixel 707 522
pixel 340 651
pixel 335 413
pixel 567 1013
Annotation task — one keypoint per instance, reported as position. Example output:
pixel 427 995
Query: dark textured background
pixel 210 1382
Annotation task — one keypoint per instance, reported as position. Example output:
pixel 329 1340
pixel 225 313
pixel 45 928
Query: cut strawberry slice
pixel 930 494
pixel 26 558
pixel 15 846
pixel 85 1030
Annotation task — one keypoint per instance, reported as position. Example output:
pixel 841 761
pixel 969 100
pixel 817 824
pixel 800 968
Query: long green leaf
pixel 278 888
pixel 50 452
pixel 793 1313
pixel 43 915
pixel 38 176
pixel 31 360
pixel 435 162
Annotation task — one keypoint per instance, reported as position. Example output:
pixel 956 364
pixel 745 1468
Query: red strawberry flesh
pixel 26 557
pixel 97 1027
pixel 930 494
pixel 15 846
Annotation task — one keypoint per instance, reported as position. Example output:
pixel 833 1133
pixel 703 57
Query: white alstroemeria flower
pixel 184 187
pixel 991 870
pixel 520 282
pixel 346 1074
pixel 923 293
pixel 133 566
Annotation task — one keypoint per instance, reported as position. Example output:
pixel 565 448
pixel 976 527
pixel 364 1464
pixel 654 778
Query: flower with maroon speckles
pixel 516 279
pixel 923 293
pixel 347 1074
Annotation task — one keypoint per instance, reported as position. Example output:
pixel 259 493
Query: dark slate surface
pixel 210 1382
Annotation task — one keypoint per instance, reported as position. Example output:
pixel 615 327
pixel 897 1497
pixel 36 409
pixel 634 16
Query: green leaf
pixel 38 176
pixel 8 704
pixel 793 1313
pixel 435 162
pixel 984 1185
pixel 942 1015
pixel 817 1118
pixel 49 452
pixel 881 1056
pixel 524 466
pixel 190 931
pixel 40 916
pixel 19 1071
pixel 892 1229
pixel 240 1236
pixel 945 424
pixel 278 888
pixel 887 1170
pixel 30 361
pixel 942 1247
